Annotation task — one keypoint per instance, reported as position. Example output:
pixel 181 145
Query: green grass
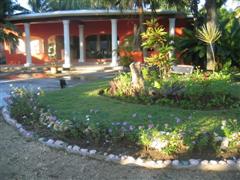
pixel 77 102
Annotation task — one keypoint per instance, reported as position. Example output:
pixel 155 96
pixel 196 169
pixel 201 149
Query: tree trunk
pixel 137 79
pixel 210 6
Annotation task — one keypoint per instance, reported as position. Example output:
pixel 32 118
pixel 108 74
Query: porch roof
pixel 89 14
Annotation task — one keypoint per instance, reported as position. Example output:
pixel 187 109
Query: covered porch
pixel 83 36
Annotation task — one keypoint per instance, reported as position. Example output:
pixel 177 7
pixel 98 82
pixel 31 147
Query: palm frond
pixel 208 33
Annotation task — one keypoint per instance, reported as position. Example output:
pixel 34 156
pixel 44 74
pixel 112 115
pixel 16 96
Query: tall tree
pixel 39 6
pixel 8 32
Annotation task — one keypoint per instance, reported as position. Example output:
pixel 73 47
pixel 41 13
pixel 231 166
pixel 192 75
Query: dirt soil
pixel 22 159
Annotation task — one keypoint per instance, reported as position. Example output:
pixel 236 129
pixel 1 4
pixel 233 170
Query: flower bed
pixel 196 91
pixel 146 140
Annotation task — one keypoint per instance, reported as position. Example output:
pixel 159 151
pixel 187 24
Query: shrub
pixel 155 38
pixel 23 104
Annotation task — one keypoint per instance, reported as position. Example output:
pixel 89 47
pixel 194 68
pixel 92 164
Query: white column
pixel 172 26
pixel 114 42
pixel 27 45
pixel 67 63
pixel 172 33
pixel 81 44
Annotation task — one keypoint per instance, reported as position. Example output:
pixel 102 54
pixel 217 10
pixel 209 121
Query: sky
pixel 231 4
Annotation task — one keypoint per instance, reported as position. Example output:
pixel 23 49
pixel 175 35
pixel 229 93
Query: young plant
pixel 209 34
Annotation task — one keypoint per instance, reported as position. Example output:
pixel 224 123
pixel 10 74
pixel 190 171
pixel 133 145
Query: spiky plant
pixel 209 34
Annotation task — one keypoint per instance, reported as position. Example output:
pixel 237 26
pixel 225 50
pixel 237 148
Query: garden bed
pixel 80 116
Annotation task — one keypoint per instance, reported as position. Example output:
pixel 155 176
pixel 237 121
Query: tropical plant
pixel 8 32
pixel 228 45
pixel 189 49
pixel 39 6
pixel 209 34
pixel 155 38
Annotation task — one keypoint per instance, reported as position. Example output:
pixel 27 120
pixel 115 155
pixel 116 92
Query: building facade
pixel 79 36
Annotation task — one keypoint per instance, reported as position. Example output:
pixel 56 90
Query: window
pixel 99 46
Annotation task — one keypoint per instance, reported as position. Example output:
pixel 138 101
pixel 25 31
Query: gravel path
pixel 22 159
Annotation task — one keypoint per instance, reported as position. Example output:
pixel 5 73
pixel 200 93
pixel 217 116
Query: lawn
pixel 83 100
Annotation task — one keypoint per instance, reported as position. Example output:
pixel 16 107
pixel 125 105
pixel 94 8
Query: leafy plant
pixel 189 49
pixel 209 34
pixel 155 38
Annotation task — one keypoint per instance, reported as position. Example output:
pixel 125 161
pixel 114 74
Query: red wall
pixel 46 30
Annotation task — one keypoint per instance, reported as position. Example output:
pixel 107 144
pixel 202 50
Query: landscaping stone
pixel 69 148
pixel 110 157
pixel 59 144
pixel 76 148
pixel 213 162
pixel 18 126
pixel 105 154
pixel 92 152
pixel 184 163
pixel 175 162
pixel 50 142
pixel 167 162
pixel 204 162
pixel 25 133
pixel 221 162
pixel 84 152
pixel 139 161
pixel 150 164
pixel 194 162
pixel 231 162
pixel 128 160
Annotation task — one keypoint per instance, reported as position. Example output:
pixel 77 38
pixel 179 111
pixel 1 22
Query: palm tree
pixel 39 6
pixel 8 32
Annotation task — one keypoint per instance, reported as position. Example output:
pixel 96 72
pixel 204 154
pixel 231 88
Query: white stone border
pixel 192 164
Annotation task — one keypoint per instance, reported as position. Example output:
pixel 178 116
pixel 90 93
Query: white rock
pixel 224 144
pixel 194 162
pixel 50 142
pixel 69 148
pixel 238 161
pixel 231 162
pixel 76 148
pixel 204 162
pixel 105 154
pixel 84 151
pixel 221 162
pixel 213 162
pixel 18 126
pixel 59 143
pixel 159 162
pixel 92 152
pixel 175 162
pixel 110 157
pixel 123 157
pixel 139 161
pixel 150 164
pixel 167 162
pixel 128 160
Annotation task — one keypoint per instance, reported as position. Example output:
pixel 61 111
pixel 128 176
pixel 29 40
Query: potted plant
pixel 53 59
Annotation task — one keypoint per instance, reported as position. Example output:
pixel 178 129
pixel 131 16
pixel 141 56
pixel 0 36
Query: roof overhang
pixel 88 14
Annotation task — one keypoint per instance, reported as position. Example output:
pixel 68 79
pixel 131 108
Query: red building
pixel 78 36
